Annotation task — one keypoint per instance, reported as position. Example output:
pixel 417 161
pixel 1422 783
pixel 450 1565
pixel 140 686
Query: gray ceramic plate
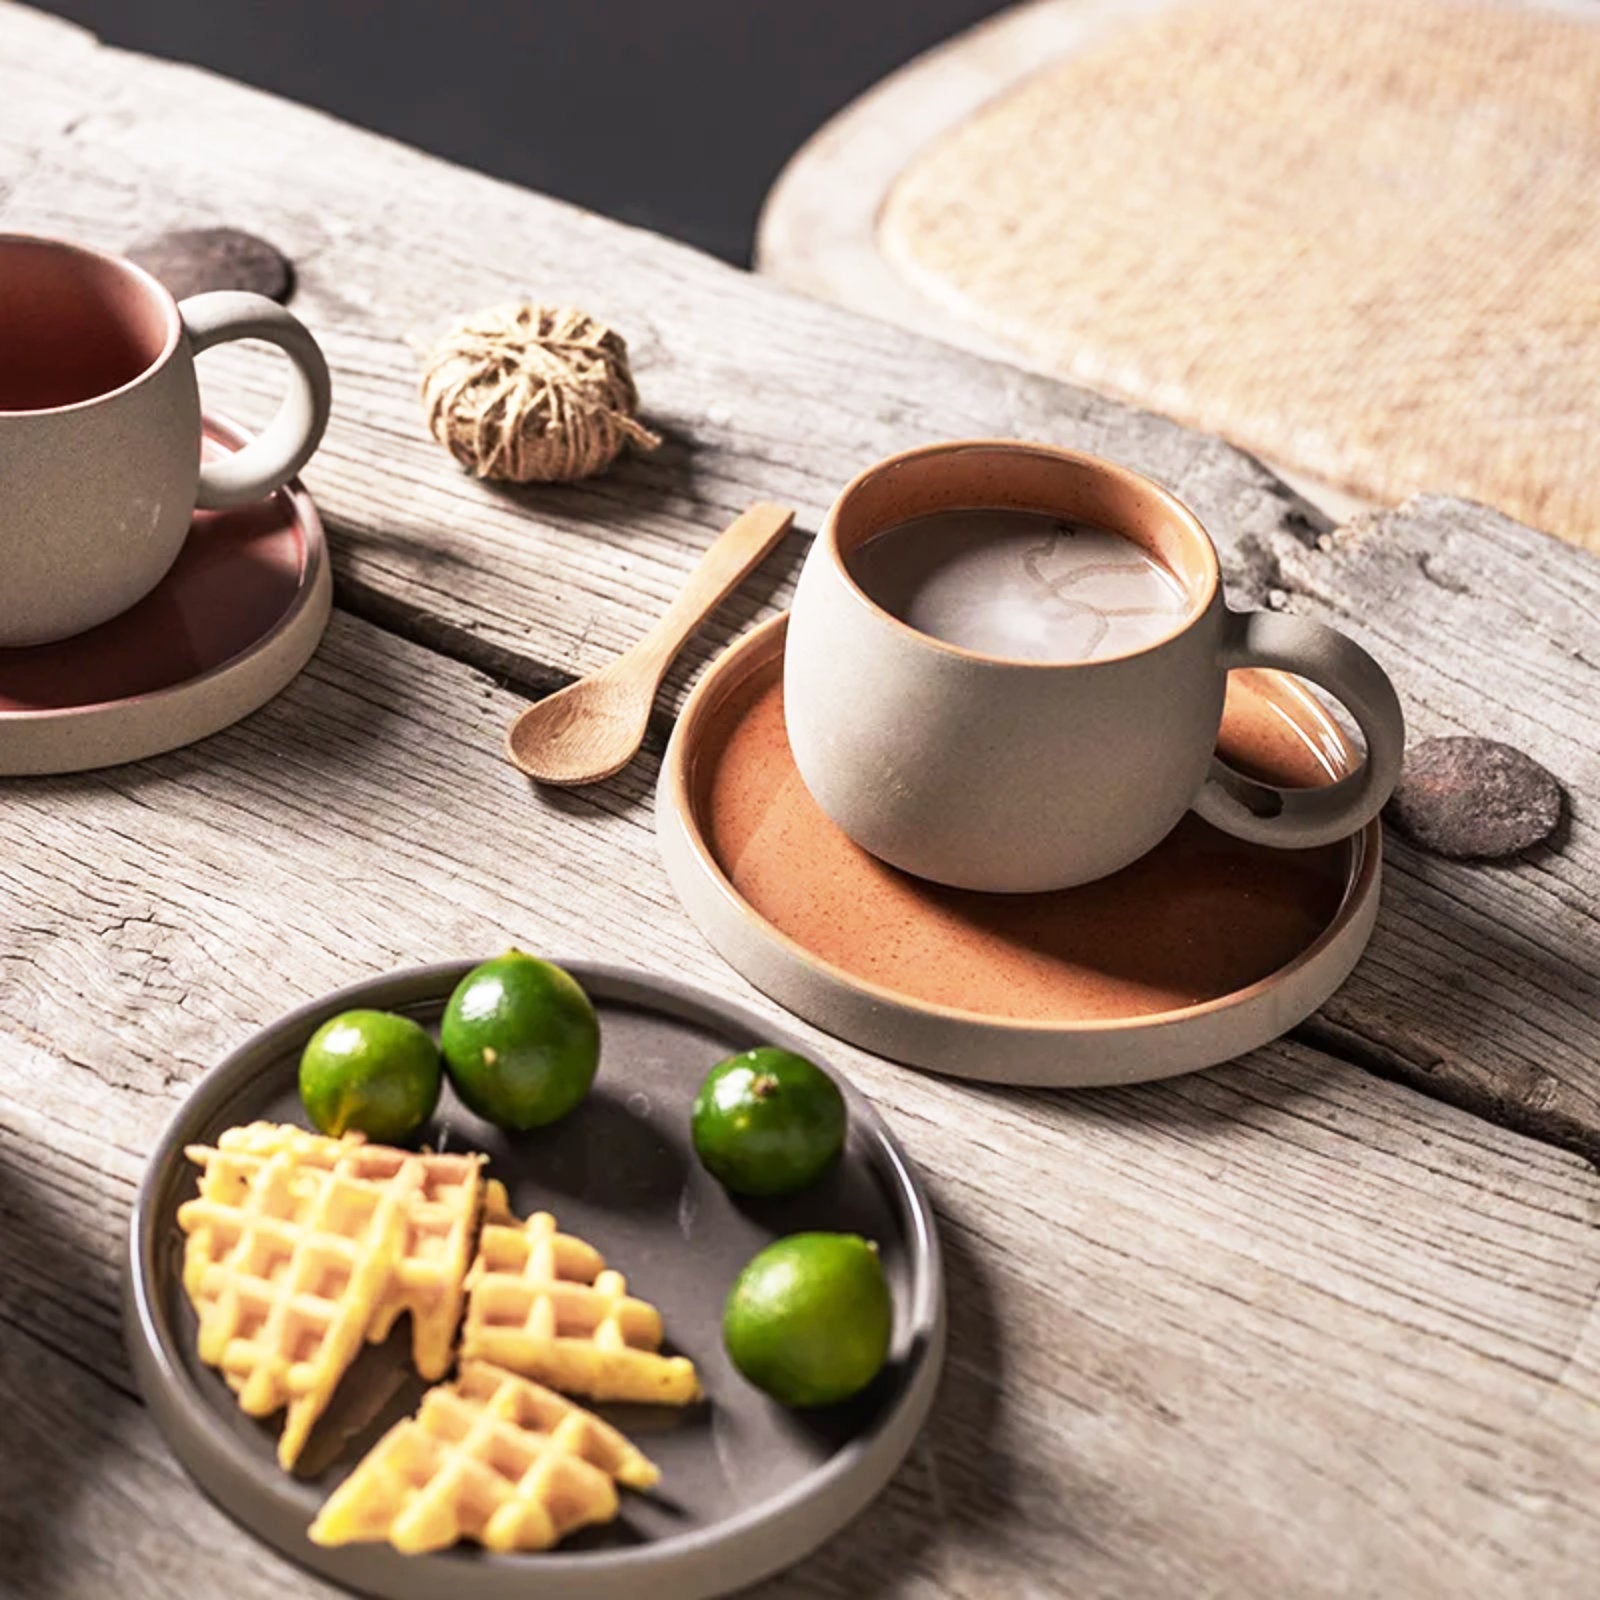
pixel 746 1487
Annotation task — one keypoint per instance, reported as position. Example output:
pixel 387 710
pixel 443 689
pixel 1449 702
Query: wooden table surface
pixel 1319 1323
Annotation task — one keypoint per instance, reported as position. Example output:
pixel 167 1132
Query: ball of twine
pixel 534 394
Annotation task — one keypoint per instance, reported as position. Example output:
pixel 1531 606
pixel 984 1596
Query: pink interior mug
pixel 100 469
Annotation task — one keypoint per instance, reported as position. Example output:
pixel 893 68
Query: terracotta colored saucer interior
pixel 237 574
pixel 1200 918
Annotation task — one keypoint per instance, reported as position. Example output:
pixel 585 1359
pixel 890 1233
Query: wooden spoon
pixel 594 727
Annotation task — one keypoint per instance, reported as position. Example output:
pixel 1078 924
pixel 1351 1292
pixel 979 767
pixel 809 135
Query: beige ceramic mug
pixel 100 468
pixel 987 772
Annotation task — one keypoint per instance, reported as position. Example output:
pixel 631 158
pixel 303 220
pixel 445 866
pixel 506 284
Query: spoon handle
pixel 737 550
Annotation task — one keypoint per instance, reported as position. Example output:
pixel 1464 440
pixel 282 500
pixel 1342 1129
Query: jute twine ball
pixel 533 394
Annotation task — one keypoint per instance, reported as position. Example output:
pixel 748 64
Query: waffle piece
pixel 440 1219
pixel 545 1305
pixel 438 1228
pixel 297 1249
pixel 490 1457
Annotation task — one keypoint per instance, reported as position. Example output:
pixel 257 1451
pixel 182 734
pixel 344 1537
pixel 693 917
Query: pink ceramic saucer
pixel 236 618
pixel 1202 950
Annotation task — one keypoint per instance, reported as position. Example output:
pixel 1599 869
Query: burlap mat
pixel 1360 236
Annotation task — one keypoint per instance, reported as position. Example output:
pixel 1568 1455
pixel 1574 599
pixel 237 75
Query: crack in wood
pixel 1523 1115
pixel 1519 1114
pixel 1316 1268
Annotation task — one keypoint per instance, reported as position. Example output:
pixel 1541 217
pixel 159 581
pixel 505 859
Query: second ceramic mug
pixel 990 773
pixel 100 468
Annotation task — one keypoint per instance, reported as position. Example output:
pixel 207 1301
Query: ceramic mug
pixel 100 468
pixel 990 773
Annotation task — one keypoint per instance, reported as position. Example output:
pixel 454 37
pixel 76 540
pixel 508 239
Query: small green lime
pixel 370 1071
pixel 768 1122
pixel 809 1319
pixel 521 1041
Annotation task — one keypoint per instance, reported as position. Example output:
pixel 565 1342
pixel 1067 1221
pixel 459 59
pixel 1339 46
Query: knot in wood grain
pixel 533 394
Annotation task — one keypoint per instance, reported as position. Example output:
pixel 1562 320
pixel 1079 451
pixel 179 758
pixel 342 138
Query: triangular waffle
pixel 439 1225
pixel 545 1305
pixel 297 1251
pixel 490 1457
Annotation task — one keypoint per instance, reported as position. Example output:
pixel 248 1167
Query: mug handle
pixel 269 461
pixel 1296 819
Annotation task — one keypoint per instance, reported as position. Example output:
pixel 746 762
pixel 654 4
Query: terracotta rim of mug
pixel 150 288
pixel 1176 538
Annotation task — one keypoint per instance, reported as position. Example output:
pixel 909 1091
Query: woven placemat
pixel 1359 236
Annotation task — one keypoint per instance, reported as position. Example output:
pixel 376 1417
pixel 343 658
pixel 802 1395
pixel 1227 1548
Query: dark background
pixel 676 115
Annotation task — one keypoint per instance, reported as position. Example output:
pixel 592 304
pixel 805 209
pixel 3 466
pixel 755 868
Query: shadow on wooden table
pixel 617 795
pixel 635 483
pixel 665 484
pixel 350 700
pixel 63 1381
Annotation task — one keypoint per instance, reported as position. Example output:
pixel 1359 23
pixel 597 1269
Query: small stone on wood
pixel 193 260
pixel 1474 799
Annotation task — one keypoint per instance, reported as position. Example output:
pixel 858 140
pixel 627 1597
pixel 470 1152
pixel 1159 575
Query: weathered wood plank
pixel 92 1504
pixel 1281 1328
pixel 1483 981
pixel 153 915
pixel 768 395
pixel 762 394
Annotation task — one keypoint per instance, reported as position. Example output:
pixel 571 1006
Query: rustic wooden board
pixel 766 395
pixel 761 394
pixel 1281 1328
pixel 1483 982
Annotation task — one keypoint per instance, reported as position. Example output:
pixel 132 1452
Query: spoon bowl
pixel 584 732
pixel 594 727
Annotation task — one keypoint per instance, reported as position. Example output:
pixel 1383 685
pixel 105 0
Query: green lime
pixel 768 1122
pixel 808 1321
pixel 371 1071
pixel 521 1041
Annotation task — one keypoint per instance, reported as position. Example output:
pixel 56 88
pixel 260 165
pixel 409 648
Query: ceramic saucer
pixel 1202 950
pixel 236 618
